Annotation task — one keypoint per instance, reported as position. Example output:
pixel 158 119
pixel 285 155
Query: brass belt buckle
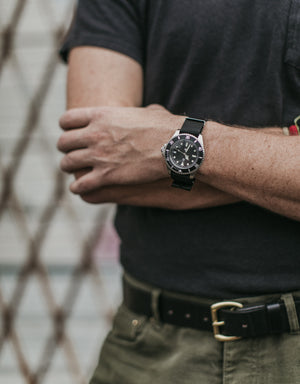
pixel 217 324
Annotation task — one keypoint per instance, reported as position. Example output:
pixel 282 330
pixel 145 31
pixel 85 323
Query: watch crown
pixel 163 149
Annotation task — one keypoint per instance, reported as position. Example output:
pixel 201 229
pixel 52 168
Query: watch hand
pixel 184 154
pixel 187 148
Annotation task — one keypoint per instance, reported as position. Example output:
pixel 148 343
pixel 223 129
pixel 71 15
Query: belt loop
pixel 291 312
pixel 155 294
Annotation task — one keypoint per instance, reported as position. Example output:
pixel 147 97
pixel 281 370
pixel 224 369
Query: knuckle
pixel 98 113
pixel 102 116
pixel 102 111
pixel 95 134
pixel 100 136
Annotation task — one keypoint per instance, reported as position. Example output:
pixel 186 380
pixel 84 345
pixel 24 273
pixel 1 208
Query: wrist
pixel 184 153
pixel 212 134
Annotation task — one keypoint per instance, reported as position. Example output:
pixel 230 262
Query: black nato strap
pixel 193 127
pixel 181 181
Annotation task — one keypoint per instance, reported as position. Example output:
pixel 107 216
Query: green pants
pixel 139 350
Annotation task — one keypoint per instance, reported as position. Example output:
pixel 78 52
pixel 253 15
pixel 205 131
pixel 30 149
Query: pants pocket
pixel 127 325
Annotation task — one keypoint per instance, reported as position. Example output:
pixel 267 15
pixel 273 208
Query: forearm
pixel 99 77
pixel 159 194
pixel 261 168
pixel 256 165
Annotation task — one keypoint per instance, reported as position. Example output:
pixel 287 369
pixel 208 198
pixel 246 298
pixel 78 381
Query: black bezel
pixel 200 151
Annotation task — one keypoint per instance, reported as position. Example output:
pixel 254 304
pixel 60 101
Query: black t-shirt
pixel 236 62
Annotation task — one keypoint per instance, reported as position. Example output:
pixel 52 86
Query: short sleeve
pixel 111 24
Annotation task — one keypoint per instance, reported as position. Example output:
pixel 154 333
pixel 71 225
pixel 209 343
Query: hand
pixel 118 145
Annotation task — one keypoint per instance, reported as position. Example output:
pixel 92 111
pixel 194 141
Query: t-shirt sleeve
pixel 111 24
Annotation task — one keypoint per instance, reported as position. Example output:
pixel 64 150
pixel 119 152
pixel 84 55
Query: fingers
pixel 81 117
pixel 74 139
pixel 82 172
pixel 86 184
pixel 76 118
pixel 101 195
pixel 75 161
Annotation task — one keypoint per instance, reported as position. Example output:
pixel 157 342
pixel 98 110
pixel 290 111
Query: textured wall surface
pixel 59 279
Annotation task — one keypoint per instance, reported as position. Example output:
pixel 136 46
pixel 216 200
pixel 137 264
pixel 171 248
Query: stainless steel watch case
pixel 198 142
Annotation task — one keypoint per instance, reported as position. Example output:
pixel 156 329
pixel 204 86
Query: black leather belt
pixel 228 320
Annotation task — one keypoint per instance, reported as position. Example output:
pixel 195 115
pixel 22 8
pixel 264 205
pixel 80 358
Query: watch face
pixel 184 153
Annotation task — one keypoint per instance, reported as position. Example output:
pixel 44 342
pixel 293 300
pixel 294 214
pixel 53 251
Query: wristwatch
pixel 184 153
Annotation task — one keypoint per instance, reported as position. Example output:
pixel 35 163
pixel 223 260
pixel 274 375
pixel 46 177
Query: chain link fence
pixel 59 279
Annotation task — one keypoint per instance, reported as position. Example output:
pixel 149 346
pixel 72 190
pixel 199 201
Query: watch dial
pixel 184 154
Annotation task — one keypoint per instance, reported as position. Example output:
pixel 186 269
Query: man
pixel 229 231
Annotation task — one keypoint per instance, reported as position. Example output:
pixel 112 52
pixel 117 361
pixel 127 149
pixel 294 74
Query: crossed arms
pixel 112 146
